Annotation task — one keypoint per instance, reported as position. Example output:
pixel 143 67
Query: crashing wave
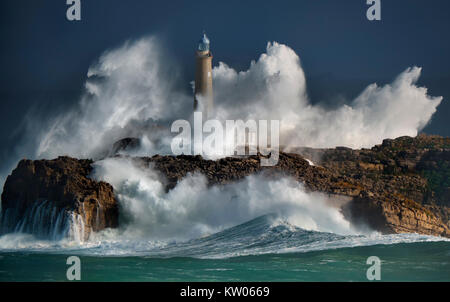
pixel 44 220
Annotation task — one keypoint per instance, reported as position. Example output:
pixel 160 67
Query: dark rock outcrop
pixel 399 186
pixel 393 216
pixel 63 182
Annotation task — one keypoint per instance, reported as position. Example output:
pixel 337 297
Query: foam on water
pixel 257 237
pixel 193 209
pixel 254 216
pixel 154 221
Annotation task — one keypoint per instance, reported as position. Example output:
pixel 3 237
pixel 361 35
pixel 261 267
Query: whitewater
pixel 255 229
pixel 255 216
pixel 263 249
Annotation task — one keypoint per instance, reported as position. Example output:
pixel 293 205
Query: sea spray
pixel 272 88
pixel 193 209
pixel 254 216
pixel 44 220
pixel 261 236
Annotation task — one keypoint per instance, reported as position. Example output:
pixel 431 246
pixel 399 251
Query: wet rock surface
pixel 66 184
pixel 399 186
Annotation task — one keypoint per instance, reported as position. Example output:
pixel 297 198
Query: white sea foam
pixel 192 209
pixel 243 240
pixel 131 91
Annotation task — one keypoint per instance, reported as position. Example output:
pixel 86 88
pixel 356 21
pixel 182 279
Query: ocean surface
pixel 258 250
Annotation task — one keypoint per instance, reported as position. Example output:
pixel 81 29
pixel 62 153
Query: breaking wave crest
pixel 131 92
pixel 252 217
pixel 193 209
pixel 263 235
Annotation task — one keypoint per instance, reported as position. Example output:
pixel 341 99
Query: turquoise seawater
pixel 424 261
pixel 254 251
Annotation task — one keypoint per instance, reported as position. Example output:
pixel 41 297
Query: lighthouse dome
pixel 203 44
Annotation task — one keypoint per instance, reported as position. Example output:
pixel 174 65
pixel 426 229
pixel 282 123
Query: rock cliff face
pixel 394 216
pixel 57 191
pixel 399 186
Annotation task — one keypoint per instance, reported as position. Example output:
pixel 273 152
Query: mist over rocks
pixel 125 144
pixel 400 186
pixel 393 185
pixel 272 88
pixel 152 96
pixel 232 169
pixel 132 92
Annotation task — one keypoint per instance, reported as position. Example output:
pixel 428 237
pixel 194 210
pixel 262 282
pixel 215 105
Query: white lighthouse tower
pixel 203 98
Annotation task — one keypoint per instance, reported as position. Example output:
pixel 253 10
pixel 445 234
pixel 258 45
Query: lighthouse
pixel 203 98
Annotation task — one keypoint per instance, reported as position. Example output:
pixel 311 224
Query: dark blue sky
pixel 44 58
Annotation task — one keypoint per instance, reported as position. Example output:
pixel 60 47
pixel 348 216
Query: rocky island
pixel 399 186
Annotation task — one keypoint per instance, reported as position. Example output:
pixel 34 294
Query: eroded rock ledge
pixel 65 183
pixel 399 186
pixel 388 198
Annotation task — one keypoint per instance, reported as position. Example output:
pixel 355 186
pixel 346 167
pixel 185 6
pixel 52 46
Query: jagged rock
pixel 393 176
pixel 388 216
pixel 63 185
pixel 399 186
